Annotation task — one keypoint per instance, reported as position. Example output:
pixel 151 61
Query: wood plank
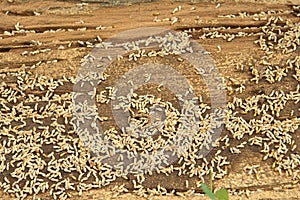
pixel 50 38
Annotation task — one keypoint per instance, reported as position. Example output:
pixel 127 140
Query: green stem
pixel 211 176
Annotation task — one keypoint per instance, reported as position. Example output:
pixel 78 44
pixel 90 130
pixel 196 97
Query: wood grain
pixel 61 26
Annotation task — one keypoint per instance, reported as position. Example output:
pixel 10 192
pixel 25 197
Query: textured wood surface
pixel 61 30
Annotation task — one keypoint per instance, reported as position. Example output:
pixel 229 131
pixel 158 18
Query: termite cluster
pixel 279 35
pixel 47 148
pixel 217 32
pixel 261 16
pixel 172 19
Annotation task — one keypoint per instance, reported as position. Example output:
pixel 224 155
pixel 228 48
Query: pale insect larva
pixel 177 9
pixel 180 194
pixel 174 20
pixel 148 78
pixel 159 87
pixel 130 82
pixel 186 183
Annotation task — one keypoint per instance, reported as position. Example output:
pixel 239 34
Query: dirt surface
pixel 50 38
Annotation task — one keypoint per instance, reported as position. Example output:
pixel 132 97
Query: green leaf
pixel 211 177
pixel 222 194
pixel 208 192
